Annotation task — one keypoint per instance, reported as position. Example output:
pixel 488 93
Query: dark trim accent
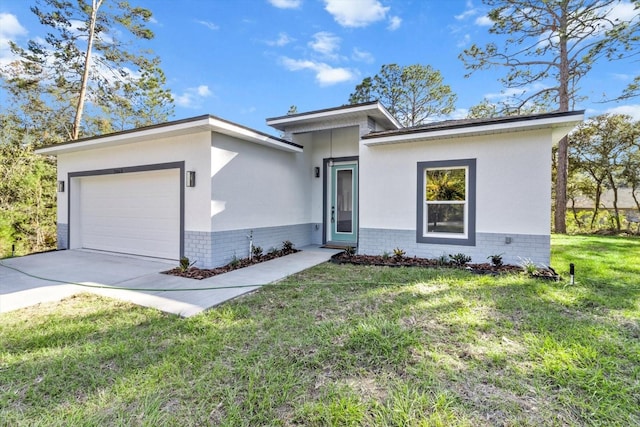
pixel 467 123
pixel 130 169
pixel 325 192
pixel 169 124
pixel 471 203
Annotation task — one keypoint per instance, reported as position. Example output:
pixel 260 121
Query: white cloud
pixel 632 110
pixel 210 25
pixel 10 30
pixel 624 11
pixel 326 75
pixel 356 13
pixel 464 41
pixel 203 91
pixel 468 12
pixel 458 113
pixel 394 23
pixel 286 4
pixel 362 56
pixel 192 97
pixel 505 94
pixel 10 26
pixel 621 76
pixel 325 43
pixel 282 40
pixel 483 21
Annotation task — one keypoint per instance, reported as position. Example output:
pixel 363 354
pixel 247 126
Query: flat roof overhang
pixel 370 109
pixel 175 128
pixel 560 124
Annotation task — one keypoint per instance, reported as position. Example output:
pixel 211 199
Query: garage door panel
pixel 136 213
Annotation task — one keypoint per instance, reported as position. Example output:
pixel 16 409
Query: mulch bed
pixel 484 268
pixel 378 260
pixel 204 273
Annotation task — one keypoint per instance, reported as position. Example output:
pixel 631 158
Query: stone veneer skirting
pixel 537 248
pixel 62 231
pixel 214 249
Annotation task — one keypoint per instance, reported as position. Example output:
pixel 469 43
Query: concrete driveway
pixel 52 276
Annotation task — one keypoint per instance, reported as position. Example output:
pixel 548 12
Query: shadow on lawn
pixel 504 350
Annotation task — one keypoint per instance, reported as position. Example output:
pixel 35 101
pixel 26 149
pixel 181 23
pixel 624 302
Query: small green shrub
pixel 185 264
pixel 528 266
pixel 350 251
pixel 235 261
pixel 256 251
pixel 443 260
pixel 460 259
pixel 398 254
pixel 386 255
pixel 287 246
pixel 496 260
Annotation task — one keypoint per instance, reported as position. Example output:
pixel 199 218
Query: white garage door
pixel 134 213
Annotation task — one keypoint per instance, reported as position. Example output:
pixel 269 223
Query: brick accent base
pixel 537 248
pixel 62 232
pixel 215 249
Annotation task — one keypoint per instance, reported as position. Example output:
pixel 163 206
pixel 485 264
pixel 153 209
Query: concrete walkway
pixel 57 275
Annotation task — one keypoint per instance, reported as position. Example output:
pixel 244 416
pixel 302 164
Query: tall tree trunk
pixel 575 213
pixel 87 65
pixel 560 220
pixel 596 203
pixel 615 201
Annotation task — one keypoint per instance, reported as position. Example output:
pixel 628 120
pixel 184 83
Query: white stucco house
pixel 346 176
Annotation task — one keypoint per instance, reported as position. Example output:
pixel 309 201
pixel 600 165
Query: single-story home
pixel 204 187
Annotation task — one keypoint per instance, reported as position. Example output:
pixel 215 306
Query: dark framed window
pixel 446 202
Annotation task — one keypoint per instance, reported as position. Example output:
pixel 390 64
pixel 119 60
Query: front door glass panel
pixel 344 201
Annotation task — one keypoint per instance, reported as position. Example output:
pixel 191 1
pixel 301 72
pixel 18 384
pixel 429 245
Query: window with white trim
pixel 446 202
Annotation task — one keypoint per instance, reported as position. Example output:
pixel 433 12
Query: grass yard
pixel 345 345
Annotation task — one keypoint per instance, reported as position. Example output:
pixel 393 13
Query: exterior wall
pixel 192 149
pixel 376 241
pixel 513 194
pixel 214 249
pixel 325 144
pixel 257 186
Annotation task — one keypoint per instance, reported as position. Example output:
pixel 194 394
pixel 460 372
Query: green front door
pixel 343 203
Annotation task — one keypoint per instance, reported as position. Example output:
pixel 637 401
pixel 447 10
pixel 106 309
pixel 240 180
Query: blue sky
pixel 246 60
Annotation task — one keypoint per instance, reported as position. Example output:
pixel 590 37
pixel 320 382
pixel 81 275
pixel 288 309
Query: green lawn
pixel 344 345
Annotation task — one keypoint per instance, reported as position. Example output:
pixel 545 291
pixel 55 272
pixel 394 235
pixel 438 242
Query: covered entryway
pixel 129 211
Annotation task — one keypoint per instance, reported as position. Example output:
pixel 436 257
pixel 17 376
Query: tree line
pixel 91 75
pixel 88 76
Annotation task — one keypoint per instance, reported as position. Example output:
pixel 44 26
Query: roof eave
pixel 182 127
pixel 374 109
pixel 561 126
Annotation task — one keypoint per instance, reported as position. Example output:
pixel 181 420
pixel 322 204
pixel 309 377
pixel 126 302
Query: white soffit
pixel 171 129
pixel 560 126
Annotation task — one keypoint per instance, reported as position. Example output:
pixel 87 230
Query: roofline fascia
pixel 474 129
pixel 205 122
pixel 330 112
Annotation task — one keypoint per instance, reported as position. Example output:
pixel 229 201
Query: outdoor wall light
pixel 316 172
pixel 191 178
pixel 60 186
